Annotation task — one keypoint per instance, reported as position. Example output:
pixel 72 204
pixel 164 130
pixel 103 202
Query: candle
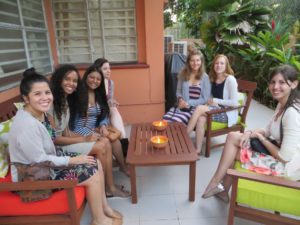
pixel 159 141
pixel 160 125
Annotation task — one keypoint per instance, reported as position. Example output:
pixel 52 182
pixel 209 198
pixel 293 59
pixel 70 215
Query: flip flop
pixel 119 192
pixel 125 171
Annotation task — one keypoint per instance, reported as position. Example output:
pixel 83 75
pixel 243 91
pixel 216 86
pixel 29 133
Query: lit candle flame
pixel 160 124
pixel 158 141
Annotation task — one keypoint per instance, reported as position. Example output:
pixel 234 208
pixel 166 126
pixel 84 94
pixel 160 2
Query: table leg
pixel 192 181
pixel 133 184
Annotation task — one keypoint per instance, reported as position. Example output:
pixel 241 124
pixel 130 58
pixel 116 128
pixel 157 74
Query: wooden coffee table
pixel 179 151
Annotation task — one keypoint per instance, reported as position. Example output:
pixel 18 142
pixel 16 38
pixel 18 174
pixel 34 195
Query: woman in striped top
pixel 193 89
pixel 95 120
pixel 115 117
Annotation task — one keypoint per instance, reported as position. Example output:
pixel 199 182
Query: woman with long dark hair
pixel 95 119
pixel 115 117
pixel 280 138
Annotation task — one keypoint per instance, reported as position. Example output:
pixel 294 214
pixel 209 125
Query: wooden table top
pixel 179 149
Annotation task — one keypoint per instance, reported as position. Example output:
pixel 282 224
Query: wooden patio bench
pixel 265 199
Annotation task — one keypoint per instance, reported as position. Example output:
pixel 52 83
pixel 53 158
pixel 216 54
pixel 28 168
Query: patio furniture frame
pixel 253 214
pixel 244 86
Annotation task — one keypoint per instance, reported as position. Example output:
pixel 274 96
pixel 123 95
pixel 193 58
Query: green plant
pixel 285 56
pixel 232 23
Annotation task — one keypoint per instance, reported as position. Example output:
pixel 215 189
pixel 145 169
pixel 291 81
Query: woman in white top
pixel 284 129
pixel 224 94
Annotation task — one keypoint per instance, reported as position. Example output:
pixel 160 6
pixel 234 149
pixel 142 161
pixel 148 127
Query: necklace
pixel 278 114
pixel 39 117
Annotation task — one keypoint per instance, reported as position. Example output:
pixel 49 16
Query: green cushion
pixel 19 105
pixel 267 196
pixel 218 125
pixel 241 98
pixel 4 129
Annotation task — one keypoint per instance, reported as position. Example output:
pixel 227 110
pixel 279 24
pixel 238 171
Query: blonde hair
pixel 228 70
pixel 186 72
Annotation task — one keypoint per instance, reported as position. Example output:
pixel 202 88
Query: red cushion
pixel 11 204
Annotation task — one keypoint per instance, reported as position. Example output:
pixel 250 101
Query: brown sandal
pixel 119 192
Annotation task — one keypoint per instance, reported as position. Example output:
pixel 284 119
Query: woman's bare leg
pixel 94 194
pixel 103 152
pixel 229 155
pixel 199 111
pixel 118 153
pixel 200 131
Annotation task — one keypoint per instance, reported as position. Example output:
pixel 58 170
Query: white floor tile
pixel 201 208
pixel 159 207
pixel 203 221
pixel 129 211
pixel 160 222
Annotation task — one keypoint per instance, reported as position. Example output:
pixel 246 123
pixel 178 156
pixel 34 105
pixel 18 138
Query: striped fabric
pixel 176 115
pixel 85 126
pixel 194 91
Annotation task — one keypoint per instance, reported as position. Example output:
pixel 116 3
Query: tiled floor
pixel 163 191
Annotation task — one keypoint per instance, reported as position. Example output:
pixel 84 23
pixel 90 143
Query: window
pixel 23 40
pixel 89 29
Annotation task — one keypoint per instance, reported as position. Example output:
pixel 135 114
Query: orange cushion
pixel 11 204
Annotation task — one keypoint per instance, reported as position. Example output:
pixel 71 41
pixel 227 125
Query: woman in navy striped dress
pixel 96 107
pixel 193 89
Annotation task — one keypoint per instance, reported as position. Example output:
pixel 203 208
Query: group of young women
pixel 64 121
pixel 79 110
pixel 197 93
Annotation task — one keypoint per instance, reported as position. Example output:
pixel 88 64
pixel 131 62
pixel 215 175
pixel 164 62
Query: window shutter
pixel 89 29
pixel 23 40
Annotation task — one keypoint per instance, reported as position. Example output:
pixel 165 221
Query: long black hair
pixel 100 94
pixel 30 77
pixel 60 100
pixel 289 73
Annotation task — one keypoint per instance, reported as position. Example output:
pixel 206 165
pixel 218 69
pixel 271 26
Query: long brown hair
pixel 289 73
pixel 212 72
pixel 185 74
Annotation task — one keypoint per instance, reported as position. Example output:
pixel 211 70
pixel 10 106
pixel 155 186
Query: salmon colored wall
pixel 139 90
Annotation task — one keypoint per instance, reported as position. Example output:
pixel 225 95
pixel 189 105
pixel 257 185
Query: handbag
pixel 113 133
pixel 257 146
pixel 33 172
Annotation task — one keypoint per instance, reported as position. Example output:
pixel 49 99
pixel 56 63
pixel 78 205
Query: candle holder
pixel 159 141
pixel 160 125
